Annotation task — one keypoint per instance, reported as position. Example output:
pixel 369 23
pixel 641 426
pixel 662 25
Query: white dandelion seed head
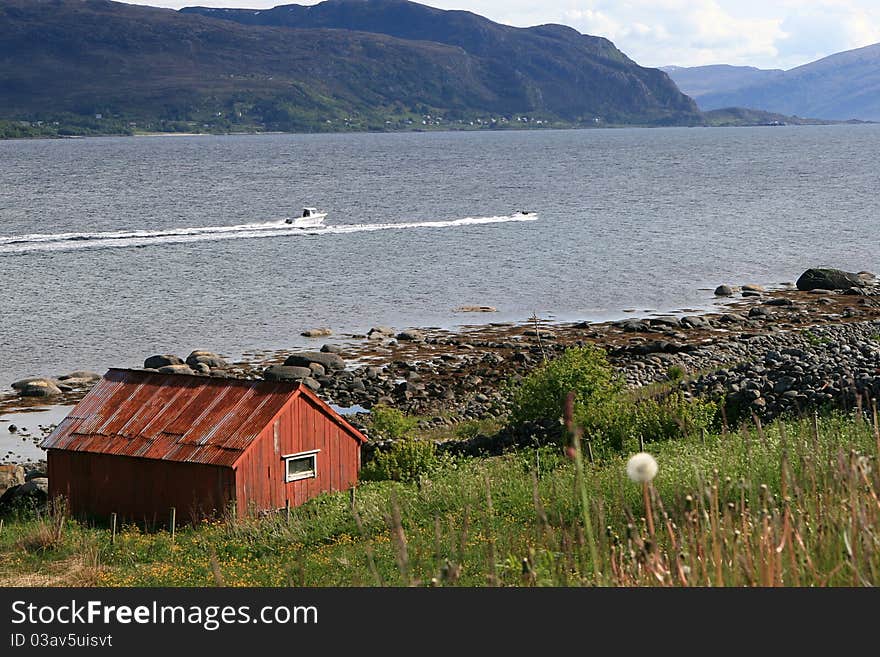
pixel 641 468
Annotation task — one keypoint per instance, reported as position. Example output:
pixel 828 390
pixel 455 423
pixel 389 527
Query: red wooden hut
pixel 141 442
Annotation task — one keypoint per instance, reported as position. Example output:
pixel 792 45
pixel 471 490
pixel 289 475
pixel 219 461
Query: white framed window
pixel 301 466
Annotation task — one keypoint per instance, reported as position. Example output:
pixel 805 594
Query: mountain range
pixel 367 63
pixel 841 87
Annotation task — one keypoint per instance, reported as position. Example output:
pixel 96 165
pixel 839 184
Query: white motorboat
pixel 310 218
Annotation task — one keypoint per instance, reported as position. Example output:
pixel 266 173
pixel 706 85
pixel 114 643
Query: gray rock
pixel 317 369
pixel 306 358
pixel 35 491
pixel 35 486
pixel 411 335
pixel 80 378
pixel 823 278
pixel 10 475
pixel 37 387
pixel 380 333
pixel 723 291
pixel 695 321
pixel 779 301
pixel 632 325
pixel 753 288
pixel 286 373
pixel 316 333
pixel 311 383
pixel 666 321
pixel 175 369
pixel 332 349
pixel 209 358
pixel 155 362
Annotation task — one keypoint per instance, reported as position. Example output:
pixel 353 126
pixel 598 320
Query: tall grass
pixel 792 504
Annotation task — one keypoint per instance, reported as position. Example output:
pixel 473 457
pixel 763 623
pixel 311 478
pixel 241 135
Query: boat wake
pixel 138 238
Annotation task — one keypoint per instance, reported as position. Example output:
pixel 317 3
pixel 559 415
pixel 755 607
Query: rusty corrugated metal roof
pixel 172 417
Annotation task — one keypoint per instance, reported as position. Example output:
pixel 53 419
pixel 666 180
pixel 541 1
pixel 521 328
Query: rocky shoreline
pixel 767 353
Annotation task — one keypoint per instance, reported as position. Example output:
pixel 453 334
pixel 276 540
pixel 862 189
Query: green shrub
pixel 390 423
pixel 672 416
pixel 675 373
pixel 584 371
pixel 813 339
pixel 407 460
pixel 610 416
pixel 472 428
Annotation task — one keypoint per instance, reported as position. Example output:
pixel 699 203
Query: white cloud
pixel 765 33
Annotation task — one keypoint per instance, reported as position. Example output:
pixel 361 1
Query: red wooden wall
pixel 302 426
pixel 137 489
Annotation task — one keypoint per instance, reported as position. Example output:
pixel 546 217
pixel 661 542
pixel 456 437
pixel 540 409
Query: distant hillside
pixel 842 86
pixel 740 116
pixel 109 60
pixel 698 81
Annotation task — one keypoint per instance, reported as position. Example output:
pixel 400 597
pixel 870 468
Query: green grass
pixel 813 339
pixel 789 504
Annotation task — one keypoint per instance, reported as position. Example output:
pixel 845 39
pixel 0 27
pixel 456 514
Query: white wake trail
pixel 136 238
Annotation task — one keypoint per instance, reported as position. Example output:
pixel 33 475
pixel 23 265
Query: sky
pixel 763 33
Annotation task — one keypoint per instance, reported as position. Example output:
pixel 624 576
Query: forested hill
pixel 368 64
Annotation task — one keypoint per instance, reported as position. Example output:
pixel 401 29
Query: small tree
pixel 390 423
pixel 406 461
pixel 584 371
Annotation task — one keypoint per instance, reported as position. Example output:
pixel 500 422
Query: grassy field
pixel 794 503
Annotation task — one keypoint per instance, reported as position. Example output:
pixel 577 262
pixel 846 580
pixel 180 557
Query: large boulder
pixel 822 278
pixel 10 475
pixel 286 373
pixel 37 387
pixel 80 378
pixel 176 369
pixel 209 358
pixel 34 492
pixel 411 335
pixel 306 358
pixel 380 333
pixel 155 362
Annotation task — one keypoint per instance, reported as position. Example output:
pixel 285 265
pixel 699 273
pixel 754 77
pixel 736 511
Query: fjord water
pixel 112 249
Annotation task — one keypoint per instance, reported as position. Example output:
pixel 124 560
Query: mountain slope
pixel 547 68
pixel 842 86
pixel 698 81
pixel 93 56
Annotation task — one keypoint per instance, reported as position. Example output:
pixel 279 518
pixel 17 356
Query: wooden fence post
pixel 287 510
pixel 112 528
pixel 173 522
